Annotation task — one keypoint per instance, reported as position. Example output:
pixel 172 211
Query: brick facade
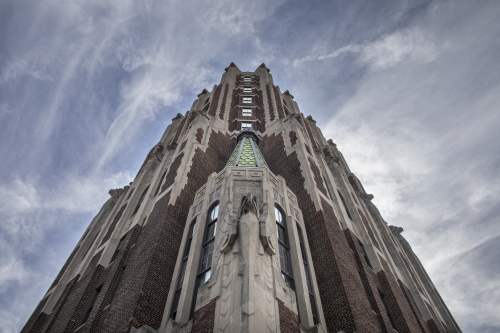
pixel 354 292
pixel 289 321
pixel 203 319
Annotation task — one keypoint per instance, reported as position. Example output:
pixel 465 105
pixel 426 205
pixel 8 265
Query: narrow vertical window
pixel 308 276
pixel 247 100
pixel 118 249
pixel 345 205
pixel 182 272
pixel 159 184
pixel 247 89
pixel 91 305
pixel 388 310
pixel 365 255
pixel 284 248
pixel 140 201
pixel 205 267
pixel 207 251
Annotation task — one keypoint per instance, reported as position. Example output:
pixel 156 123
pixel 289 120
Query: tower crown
pixel 247 153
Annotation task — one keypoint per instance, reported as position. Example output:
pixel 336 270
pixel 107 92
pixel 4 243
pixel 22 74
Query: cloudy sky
pixel 409 91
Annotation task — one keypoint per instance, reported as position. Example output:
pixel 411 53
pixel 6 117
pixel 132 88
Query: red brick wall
pixel 172 172
pixel 224 102
pixel 318 179
pixel 49 323
pixel 289 321
pixel 199 134
pixel 270 102
pixel 76 302
pixel 279 104
pixel 324 235
pixel 143 290
pixel 215 101
pixel 369 281
pixel 260 114
pixel 396 300
pixel 203 319
pixel 233 111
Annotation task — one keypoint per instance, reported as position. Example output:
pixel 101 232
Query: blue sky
pixel 409 91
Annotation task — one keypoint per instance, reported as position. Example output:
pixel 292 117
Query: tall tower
pixel 243 218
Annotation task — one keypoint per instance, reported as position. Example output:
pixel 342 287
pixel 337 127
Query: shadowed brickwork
pixel 318 179
pixel 172 172
pixel 279 105
pixel 289 321
pixel 270 102
pixel 215 101
pixel 203 319
pixel 199 134
pixel 403 316
pixel 75 305
pixel 338 314
pixel 154 257
pixel 222 109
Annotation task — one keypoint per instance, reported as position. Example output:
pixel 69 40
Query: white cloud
pixel 410 44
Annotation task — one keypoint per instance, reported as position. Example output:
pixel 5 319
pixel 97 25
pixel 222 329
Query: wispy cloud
pixel 387 51
pixel 409 92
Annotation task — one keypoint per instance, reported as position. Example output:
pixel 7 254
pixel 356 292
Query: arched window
pixel 284 248
pixel 182 272
pixel 204 271
pixel 140 200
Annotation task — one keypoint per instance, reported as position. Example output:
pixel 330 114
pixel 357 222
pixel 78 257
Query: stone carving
pixel 248 202
pixel 396 230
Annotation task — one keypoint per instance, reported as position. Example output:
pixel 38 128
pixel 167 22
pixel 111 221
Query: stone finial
pixel 311 119
pixel 204 91
pixel 232 64
pixel 330 142
pixel 366 197
pixel 264 66
pixel 288 94
pixel 177 116
pixel 396 230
